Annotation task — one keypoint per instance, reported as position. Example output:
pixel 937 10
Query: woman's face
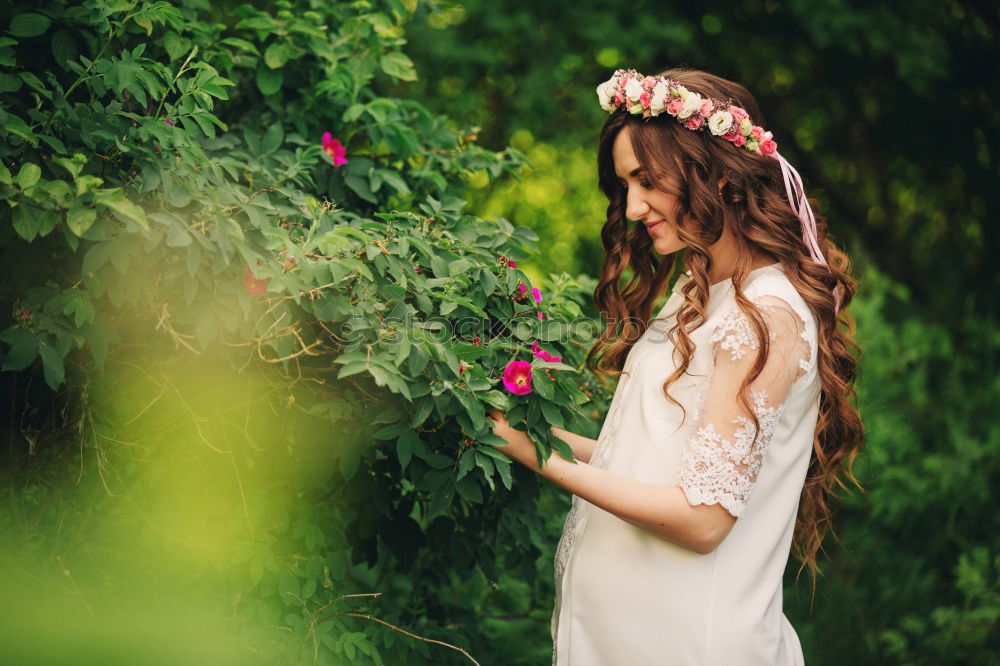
pixel 656 209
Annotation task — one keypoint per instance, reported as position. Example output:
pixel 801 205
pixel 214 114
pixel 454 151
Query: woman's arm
pixel 661 510
pixel 583 447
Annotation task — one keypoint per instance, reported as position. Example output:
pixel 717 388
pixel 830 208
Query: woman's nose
pixel 636 208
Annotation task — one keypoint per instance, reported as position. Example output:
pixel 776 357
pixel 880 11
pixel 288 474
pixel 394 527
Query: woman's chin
pixel 665 246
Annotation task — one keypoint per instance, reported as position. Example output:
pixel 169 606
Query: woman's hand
pixel 519 445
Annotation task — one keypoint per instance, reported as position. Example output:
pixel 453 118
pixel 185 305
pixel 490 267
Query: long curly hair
pixel 755 207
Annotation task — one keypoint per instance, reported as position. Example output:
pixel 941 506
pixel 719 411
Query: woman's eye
pixel 646 184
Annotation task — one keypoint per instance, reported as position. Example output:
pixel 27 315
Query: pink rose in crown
pixel 619 99
pixel 334 149
pixel 675 106
pixel 649 82
pixel 739 115
pixel 768 147
pixel 740 140
pixel 517 377
pixel 757 132
pixel 706 108
pixel 644 99
pixel 693 123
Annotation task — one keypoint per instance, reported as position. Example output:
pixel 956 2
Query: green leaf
pixel 553 415
pixel 29 25
pixel 116 201
pixel 273 138
pixel 276 55
pixel 406 445
pixel 545 387
pixel 269 80
pixel 28 175
pixel 23 348
pixel 399 65
pixel 16 126
pixel 80 218
pixel 52 365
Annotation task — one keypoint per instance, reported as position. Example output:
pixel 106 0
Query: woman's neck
pixel 725 256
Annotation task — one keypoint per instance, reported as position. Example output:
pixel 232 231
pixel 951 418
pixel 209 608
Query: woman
pixel 733 413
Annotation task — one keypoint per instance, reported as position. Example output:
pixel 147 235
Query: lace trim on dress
pixel 725 455
pixel 723 471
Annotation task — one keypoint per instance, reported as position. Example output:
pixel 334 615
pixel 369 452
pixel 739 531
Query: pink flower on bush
pixel 675 106
pixel 768 147
pixel 254 285
pixel 521 288
pixel 693 123
pixel 739 115
pixel 333 148
pixel 757 132
pixel 544 355
pixel 536 294
pixel 541 317
pixel 511 263
pixel 517 377
pixel 168 122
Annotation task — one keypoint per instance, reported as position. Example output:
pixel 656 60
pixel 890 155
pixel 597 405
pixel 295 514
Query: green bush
pixel 268 371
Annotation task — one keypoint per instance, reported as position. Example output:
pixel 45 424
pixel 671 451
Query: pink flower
pixel 768 147
pixel 511 263
pixel 693 123
pixel 706 108
pixel 757 132
pixel 619 98
pixel 521 288
pixel 541 317
pixel 675 106
pixel 740 140
pixel 254 285
pixel 644 99
pixel 739 115
pixel 334 149
pixel 544 355
pixel 768 136
pixel 649 82
pixel 731 136
pixel 517 377
pixel 168 122
pixel 536 294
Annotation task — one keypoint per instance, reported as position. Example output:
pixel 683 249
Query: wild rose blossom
pixel 521 287
pixel 511 263
pixel 536 294
pixel 334 149
pixel 542 354
pixel 541 317
pixel 517 377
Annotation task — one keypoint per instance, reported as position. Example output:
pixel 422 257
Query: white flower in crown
pixel 606 93
pixel 633 89
pixel 720 122
pixel 659 101
pixel 692 102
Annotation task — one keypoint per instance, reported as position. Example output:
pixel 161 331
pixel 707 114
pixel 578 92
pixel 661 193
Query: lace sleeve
pixel 722 459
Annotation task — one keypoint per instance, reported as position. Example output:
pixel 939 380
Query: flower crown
pixel 629 90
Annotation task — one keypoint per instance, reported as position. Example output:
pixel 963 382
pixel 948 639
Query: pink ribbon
pixel 797 198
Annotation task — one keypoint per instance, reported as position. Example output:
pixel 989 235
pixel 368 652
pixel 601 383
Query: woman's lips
pixel 652 225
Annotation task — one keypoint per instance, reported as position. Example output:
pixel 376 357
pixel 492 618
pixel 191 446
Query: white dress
pixel 625 596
